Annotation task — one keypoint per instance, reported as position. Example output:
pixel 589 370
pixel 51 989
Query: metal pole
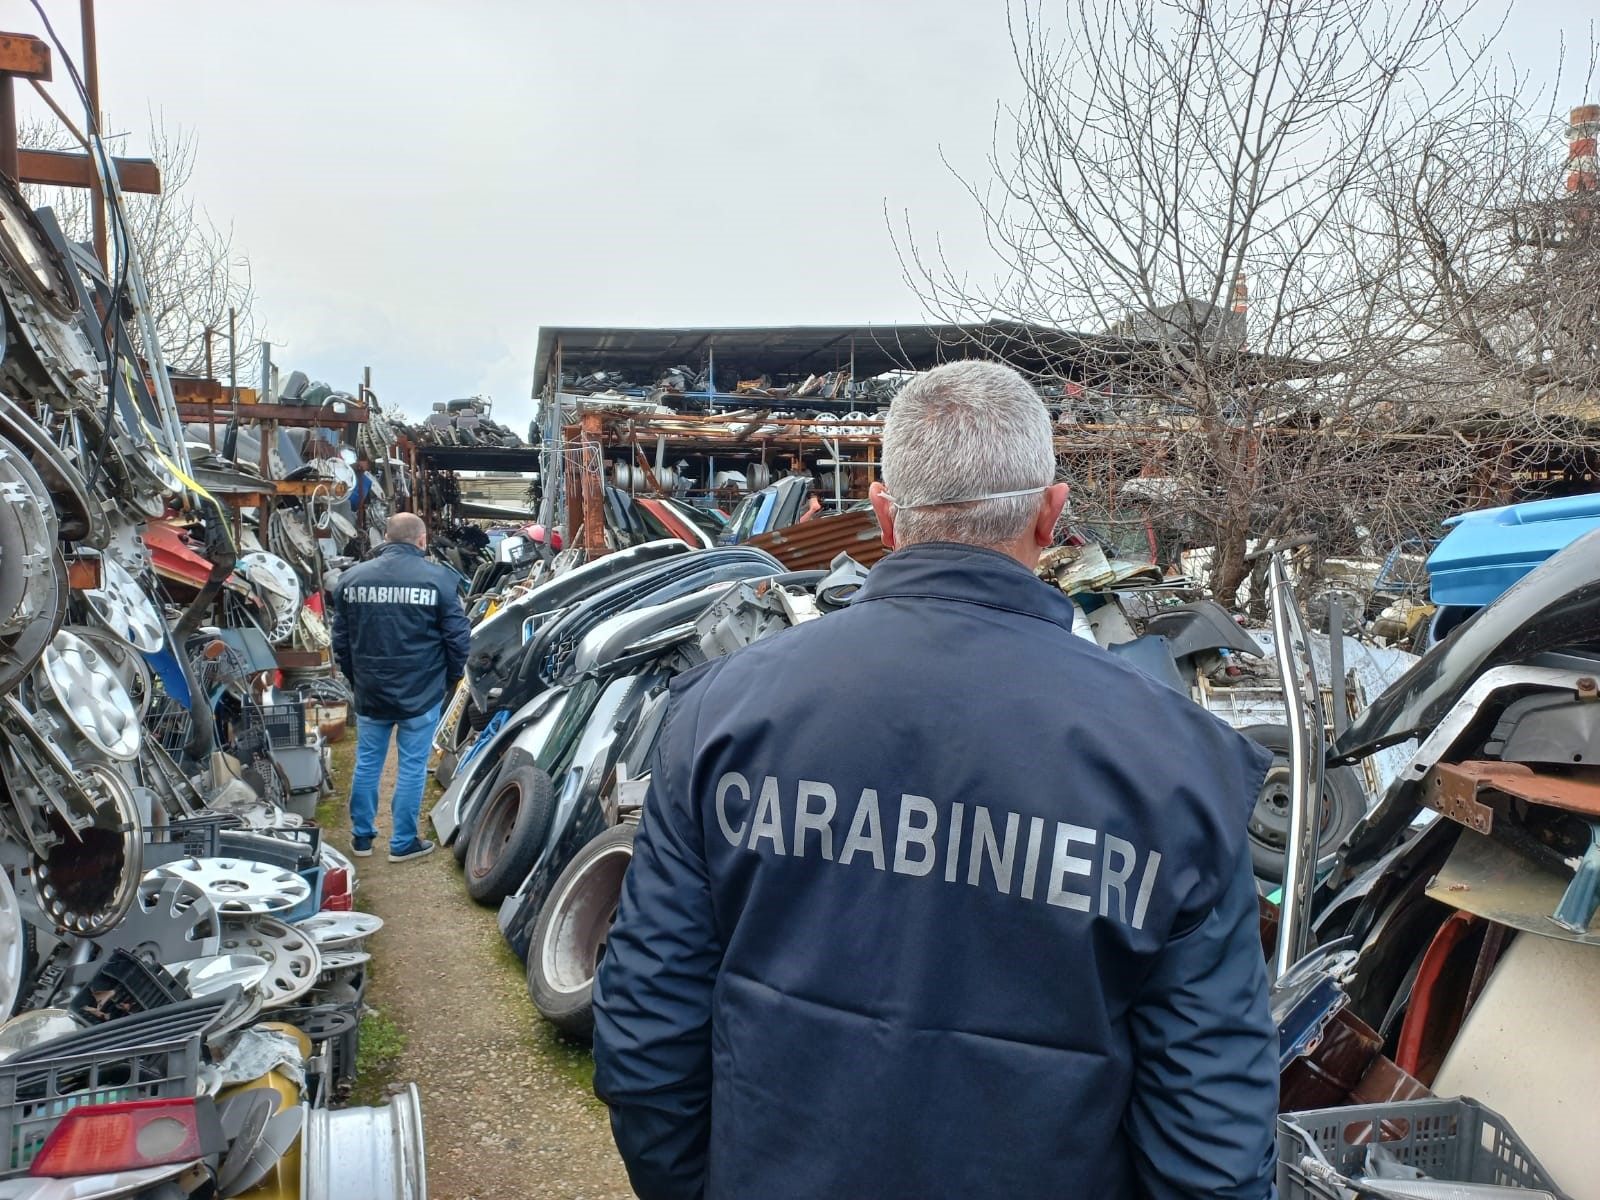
pixel 1303 713
pixel 1341 702
pixel 8 129
pixel 91 83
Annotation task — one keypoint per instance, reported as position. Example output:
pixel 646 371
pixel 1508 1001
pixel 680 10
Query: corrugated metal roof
pixel 812 545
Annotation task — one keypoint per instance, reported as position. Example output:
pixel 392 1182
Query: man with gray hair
pixel 401 638
pixel 932 898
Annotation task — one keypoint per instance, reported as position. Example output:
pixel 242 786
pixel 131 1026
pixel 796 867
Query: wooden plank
pixel 55 168
pixel 23 55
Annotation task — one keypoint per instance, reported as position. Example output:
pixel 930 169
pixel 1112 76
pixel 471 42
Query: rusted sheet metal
pixel 1457 790
pixel 812 545
pixel 1495 882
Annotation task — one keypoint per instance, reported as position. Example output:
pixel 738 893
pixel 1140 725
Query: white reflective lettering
pixel 805 820
pixel 866 831
pixel 1030 865
pixel 769 820
pixel 1064 863
pixel 1116 877
pixel 919 834
pixel 1147 884
pixel 952 845
pixel 725 785
pixel 985 844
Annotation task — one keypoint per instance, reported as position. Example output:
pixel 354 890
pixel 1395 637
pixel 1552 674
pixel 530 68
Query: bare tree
pixel 1195 184
pixel 192 268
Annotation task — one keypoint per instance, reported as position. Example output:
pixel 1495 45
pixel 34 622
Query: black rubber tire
pixel 1344 803
pixel 510 830
pixel 569 937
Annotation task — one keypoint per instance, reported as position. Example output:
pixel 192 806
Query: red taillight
pixel 102 1138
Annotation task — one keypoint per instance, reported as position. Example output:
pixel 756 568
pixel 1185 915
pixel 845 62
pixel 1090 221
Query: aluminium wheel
pixel 1344 802
pixel 569 938
pixel 509 833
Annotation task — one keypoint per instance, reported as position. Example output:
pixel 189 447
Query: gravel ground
pixel 507 1103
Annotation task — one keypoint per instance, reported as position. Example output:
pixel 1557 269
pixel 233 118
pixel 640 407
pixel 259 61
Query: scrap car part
pixel 278 586
pixel 88 691
pixel 293 957
pixel 13 948
pixel 372 1153
pixel 239 887
pixel 1529 1047
pixel 218 972
pixel 170 921
pixel 126 609
pixel 86 882
pixel 340 930
pixel 509 833
pixel 82 516
pixel 569 939
pixel 50 347
pixel 1302 699
pixel 32 575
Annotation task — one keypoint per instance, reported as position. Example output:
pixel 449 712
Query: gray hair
pixel 966 429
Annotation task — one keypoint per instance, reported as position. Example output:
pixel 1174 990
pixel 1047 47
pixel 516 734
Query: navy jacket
pixel 933 899
pixel 399 632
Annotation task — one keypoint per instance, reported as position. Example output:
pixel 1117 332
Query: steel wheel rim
pixel 494 829
pixel 580 924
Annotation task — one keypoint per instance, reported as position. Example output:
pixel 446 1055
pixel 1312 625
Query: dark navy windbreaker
pixel 399 632
pixel 933 899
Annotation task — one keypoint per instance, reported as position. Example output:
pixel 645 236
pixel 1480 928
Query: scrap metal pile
pixel 181 968
pixel 548 744
pixel 1429 880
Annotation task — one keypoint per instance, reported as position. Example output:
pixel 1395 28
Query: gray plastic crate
pixel 1457 1140
pixel 35 1096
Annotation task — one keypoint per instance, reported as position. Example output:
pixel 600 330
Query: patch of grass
pixel 377 1058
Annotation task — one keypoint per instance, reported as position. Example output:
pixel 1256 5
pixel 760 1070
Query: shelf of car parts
pixel 220 412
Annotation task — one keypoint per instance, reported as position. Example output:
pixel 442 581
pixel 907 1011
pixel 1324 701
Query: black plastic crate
pixel 125 985
pixel 285 722
pixel 187 837
pixel 1456 1140
pixel 35 1096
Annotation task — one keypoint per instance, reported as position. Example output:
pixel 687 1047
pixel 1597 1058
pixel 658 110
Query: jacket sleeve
pixel 457 635
pixel 341 636
pixel 652 995
pixel 1202 1116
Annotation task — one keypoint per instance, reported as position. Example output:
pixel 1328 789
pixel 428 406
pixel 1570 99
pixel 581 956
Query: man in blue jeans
pixel 401 639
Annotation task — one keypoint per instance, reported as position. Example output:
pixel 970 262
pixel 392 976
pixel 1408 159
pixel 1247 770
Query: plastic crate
pixel 1456 1140
pixel 35 1096
pixel 188 837
pixel 285 722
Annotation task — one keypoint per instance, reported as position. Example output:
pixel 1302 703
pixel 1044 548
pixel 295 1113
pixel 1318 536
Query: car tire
pixel 569 938
pixel 508 834
pixel 1344 803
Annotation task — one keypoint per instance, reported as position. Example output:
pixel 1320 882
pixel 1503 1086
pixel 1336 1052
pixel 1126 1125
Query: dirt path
pixel 507 1103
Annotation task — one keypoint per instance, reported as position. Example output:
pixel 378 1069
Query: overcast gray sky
pixel 420 186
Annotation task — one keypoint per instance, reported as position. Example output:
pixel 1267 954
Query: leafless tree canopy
pixel 1253 207
pixel 194 272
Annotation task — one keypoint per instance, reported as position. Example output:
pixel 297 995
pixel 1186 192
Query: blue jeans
pixel 415 735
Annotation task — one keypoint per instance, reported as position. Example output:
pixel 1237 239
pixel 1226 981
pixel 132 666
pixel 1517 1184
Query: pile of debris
pixel 568 682
pixel 462 423
pixel 181 966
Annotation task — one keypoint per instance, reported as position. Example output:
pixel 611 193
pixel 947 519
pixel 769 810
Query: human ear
pixel 879 496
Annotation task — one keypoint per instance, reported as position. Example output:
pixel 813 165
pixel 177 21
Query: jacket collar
pixel 397 548
pixel 971 574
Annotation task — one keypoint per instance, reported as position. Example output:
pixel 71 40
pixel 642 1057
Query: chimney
pixel 1241 288
pixel 1583 170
